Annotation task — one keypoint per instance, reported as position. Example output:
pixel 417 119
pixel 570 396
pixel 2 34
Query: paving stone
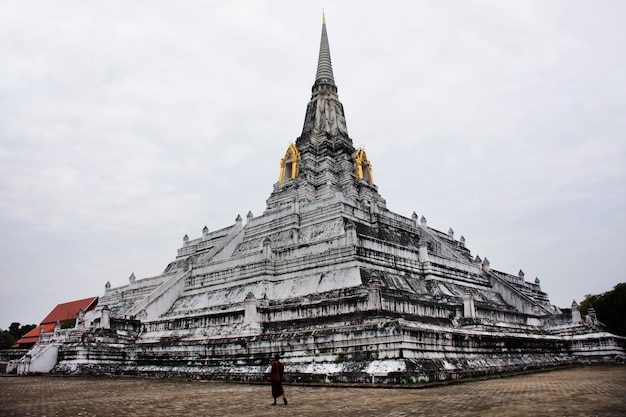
pixel 585 391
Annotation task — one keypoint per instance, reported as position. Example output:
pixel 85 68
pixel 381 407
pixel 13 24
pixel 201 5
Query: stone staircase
pixel 161 299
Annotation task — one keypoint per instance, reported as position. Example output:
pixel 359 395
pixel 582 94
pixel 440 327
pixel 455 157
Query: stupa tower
pixel 323 161
pixel 345 289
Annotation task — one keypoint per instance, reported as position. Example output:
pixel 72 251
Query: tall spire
pixel 324 113
pixel 324 75
pixel 323 161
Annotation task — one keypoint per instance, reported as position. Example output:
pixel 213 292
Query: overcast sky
pixel 126 125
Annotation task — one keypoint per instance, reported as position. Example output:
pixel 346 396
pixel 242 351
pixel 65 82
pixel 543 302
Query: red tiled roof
pixel 32 333
pixel 29 338
pixel 69 310
pixel 61 312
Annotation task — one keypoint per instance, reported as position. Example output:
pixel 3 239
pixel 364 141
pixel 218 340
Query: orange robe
pixel 277 376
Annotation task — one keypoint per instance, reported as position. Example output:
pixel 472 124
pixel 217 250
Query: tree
pixel 17 331
pixel 6 339
pixel 26 328
pixel 14 329
pixel 610 308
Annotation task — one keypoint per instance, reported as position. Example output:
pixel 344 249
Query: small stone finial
pixel 267 241
pixel 462 241
pixel 132 278
pixel 451 233
pixel 423 221
pixel 591 319
pixel 105 317
pixel 185 239
pixel 238 220
pixel 477 259
pixel 537 281
pixel 107 285
pixel 250 312
pixel 205 230
pixel 576 316
pixel 591 312
pixel 486 264
pixel 249 215
pixel 414 216
pixel 520 274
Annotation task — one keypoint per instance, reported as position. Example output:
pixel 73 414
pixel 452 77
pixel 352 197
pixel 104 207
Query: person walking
pixel 277 377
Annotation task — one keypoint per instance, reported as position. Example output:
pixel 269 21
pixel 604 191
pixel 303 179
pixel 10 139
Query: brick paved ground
pixel 585 391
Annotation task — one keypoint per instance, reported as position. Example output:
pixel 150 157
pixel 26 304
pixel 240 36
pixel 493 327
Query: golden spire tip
pixel 323 18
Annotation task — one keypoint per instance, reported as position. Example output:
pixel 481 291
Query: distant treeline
pixel 610 308
pixel 15 333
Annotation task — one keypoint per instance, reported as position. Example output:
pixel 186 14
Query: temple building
pixel 64 315
pixel 343 288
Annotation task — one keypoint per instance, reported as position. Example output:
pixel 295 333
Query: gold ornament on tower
pixel 363 166
pixel 289 164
